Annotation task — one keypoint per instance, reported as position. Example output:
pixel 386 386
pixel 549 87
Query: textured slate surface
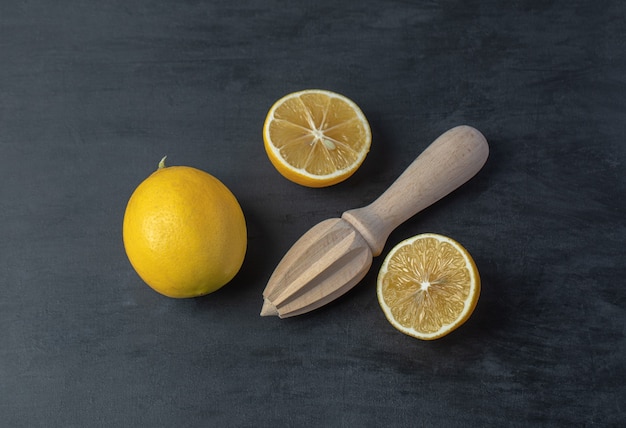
pixel 93 94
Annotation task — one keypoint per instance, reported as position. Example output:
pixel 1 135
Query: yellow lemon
pixel 184 232
pixel 428 285
pixel 315 137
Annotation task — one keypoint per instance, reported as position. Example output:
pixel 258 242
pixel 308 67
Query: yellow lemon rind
pixel 166 272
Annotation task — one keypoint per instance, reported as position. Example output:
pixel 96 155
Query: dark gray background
pixel 94 93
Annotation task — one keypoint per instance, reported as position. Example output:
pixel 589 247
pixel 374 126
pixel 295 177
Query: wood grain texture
pixel 325 263
pixel 446 164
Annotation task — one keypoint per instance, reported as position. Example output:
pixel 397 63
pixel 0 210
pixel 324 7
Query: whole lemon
pixel 184 232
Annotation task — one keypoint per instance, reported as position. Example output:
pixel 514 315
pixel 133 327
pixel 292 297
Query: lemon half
pixel 316 137
pixel 428 285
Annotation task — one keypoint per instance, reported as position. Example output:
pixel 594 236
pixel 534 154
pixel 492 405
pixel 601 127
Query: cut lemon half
pixel 428 285
pixel 316 138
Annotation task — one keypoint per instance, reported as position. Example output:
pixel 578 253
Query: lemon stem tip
pixel 162 163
